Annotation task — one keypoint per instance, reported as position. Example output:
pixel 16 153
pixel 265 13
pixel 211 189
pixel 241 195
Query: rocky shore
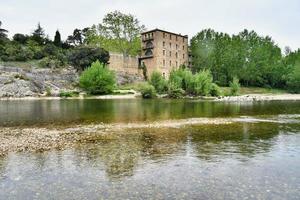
pixel 260 97
pixel 18 82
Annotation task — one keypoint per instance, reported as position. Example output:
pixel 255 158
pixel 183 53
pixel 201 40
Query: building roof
pixel 154 30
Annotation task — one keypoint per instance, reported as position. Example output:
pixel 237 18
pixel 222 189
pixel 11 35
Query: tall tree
pixel 57 39
pixel 122 31
pixel 3 32
pixel 38 34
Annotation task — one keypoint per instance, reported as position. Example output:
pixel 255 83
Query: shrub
pixel 147 90
pixel 158 81
pixel 203 83
pixel 175 92
pixel 48 92
pixel 49 62
pixel 234 86
pixel 83 57
pixel 293 82
pixel 215 90
pixel 97 79
pixel 66 94
pixel 182 78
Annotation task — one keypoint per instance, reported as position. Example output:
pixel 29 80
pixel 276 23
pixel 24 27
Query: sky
pixel 279 19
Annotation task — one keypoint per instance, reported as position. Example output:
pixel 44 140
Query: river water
pixel 257 157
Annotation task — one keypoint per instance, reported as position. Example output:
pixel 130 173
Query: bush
pixel 49 62
pixel 203 82
pixel 159 83
pixel 83 57
pixel 234 86
pixel 175 92
pixel 66 94
pixel 97 79
pixel 182 78
pixel 147 90
pixel 215 90
pixel 293 82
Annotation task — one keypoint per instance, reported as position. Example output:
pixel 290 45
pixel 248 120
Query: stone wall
pixel 120 63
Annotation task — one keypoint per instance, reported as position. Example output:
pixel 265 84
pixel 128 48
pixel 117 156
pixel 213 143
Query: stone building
pixel 162 51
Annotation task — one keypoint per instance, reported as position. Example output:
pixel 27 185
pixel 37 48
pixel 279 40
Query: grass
pixel 255 90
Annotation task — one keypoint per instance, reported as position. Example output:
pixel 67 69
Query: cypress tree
pixel 57 39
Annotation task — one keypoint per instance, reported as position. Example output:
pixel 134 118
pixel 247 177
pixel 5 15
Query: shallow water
pixel 249 159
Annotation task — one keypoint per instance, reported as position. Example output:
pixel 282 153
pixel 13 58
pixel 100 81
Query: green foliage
pixel 182 78
pixel 20 38
pixel 48 92
pixel 38 35
pixel 159 82
pixel 203 83
pixel 234 87
pixel 49 62
pixel 82 57
pixel 57 39
pixel 293 82
pixel 147 91
pixel 3 32
pixel 97 79
pixel 118 32
pixel 215 90
pixel 175 91
pixel 257 60
pixel 67 94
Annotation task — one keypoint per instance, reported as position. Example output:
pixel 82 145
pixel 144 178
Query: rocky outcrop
pixel 19 82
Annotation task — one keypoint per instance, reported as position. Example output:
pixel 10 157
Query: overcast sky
pixel 277 18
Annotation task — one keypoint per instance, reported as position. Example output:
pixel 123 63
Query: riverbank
pixel 131 94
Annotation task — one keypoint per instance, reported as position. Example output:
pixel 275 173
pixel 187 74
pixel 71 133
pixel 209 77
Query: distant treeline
pixel 255 60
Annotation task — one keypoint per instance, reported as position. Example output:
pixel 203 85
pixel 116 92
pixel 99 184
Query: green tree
pixel 97 79
pixel 3 32
pixel 57 39
pixel 38 35
pixel 159 82
pixel 118 32
pixel 293 81
pixel 20 38
pixel 83 57
pixel 234 86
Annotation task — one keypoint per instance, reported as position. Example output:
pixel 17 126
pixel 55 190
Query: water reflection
pixel 41 112
pixel 185 163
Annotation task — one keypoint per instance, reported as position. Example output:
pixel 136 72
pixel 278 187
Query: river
pixel 255 157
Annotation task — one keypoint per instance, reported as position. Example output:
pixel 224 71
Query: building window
pixel 149 45
pixel 176 46
pixel 183 56
pixel 164 52
pixel 170 37
pixel 164 75
pixel 164 35
pixel 176 64
pixel 176 55
pixel 183 47
pixel 170 63
pixel 176 38
pixel 170 53
pixel 148 53
pixel 164 44
pixel 170 45
pixel 164 63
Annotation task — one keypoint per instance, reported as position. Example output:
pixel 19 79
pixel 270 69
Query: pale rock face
pixel 18 82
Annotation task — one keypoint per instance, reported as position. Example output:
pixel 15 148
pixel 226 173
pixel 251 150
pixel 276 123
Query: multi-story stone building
pixel 162 51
